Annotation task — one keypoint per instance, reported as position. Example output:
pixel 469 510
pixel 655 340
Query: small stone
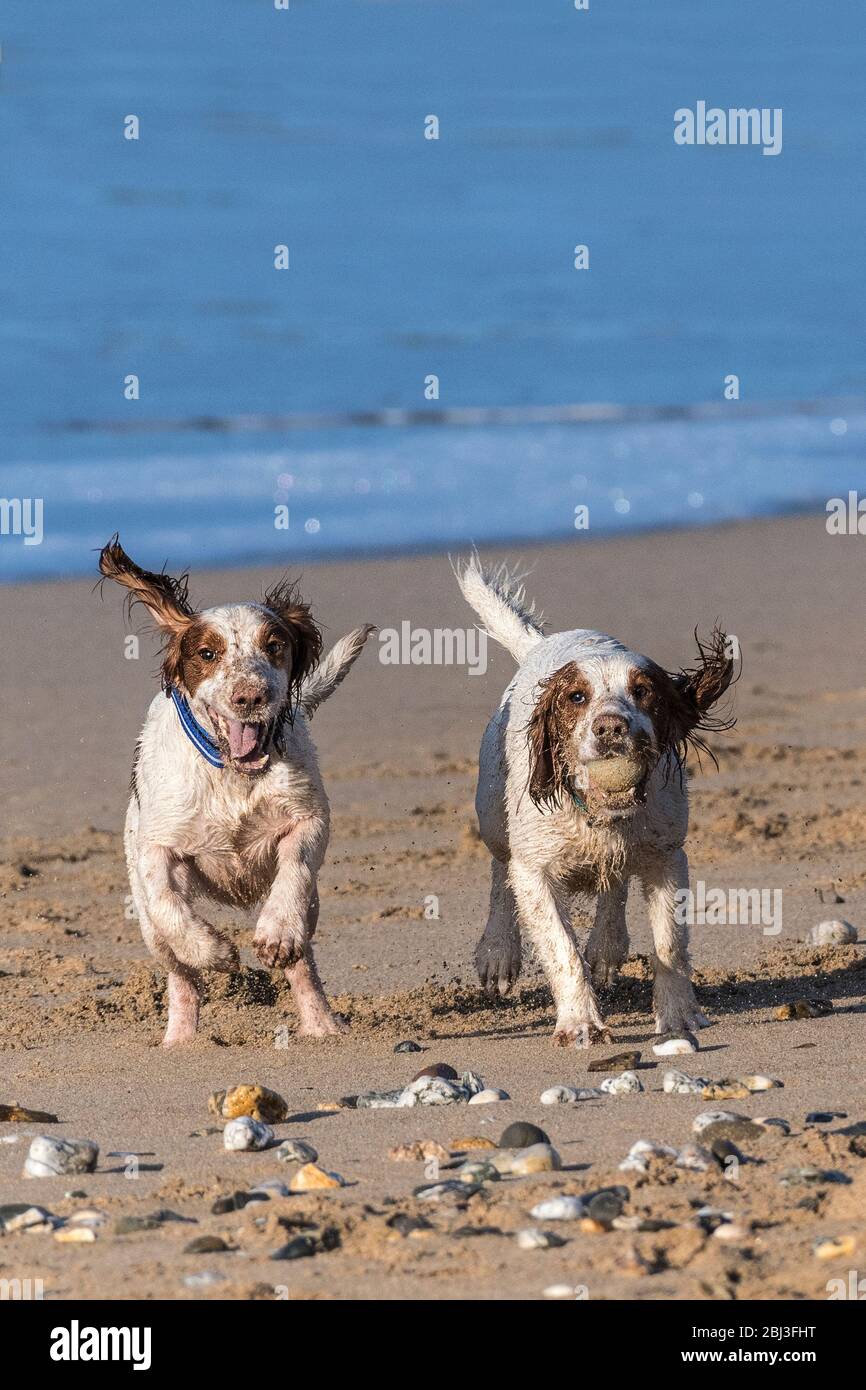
pixel 270 1187
pixel 299 1248
pixel 589 1227
pixel 678 1084
pixel 478 1171
pixel 312 1178
pixel 438 1191
pixel 713 1117
pixel 50 1157
pixel 675 1045
pixel 694 1158
pixel 473 1085
pixel 205 1245
pixel 76 1193
pixel 256 1102
pixel 19 1115
pixel 94 1219
pixel 421 1151
pixel 740 1130
pixel 440 1069
pixel 725 1090
pixel 627 1084
pixel 477 1141
pixel 804 1008
pixel 809 1175
pixel 772 1122
pixel 621 1061
pixel 75 1235
pixel 406 1225
pixel 520 1134
pixel 408 1046
pixel 825 1117
pixel 559 1291
pixel 236 1202
pixel 538 1158
pixel 710 1218
pixel 730 1231
pixel 605 1206
pixel 379 1100
pixel 327 1107
pixel 835 1248
pixel 132 1225
pixel 559 1209
pixel 559 1095
pixel 24 1218
pixel 432 1090
pixel 836 933
pixel 760 1083
pixel 296 1151
pixel 533 1238
pixel 245 1133
pixel 488 1096
pixel 641 1151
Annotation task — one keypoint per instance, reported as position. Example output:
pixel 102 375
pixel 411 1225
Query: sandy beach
pixel 81 1006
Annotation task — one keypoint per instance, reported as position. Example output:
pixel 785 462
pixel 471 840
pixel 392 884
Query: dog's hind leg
pixel 184 983
pixel 498 953
pixel 315 1016
pixel 607 947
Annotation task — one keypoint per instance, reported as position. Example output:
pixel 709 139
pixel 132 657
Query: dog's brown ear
pixel 304 634
pixel 696 689
pixel 548 770
pixel 164 598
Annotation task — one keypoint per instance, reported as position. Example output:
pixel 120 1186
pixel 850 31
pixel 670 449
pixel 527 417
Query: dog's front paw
pixel 675 1007
pixel 580 1026
pixel 498 962
pixel 276 944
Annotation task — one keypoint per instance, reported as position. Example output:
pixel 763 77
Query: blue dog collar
pixel 197 736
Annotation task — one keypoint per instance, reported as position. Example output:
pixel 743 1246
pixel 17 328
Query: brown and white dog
pixel 581 787
pixel 227 801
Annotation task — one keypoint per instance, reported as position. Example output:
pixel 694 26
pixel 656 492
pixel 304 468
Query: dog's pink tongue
pixel 242 738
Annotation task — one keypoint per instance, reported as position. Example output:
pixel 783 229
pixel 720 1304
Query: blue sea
pixel 410 258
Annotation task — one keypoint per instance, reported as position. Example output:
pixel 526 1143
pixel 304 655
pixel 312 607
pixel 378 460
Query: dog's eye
pixel 577 697
pixel 206 654
pixel 642 692
pixel 274 649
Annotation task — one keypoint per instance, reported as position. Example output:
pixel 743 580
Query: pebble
pixel 636 1160
pixel 20 1115
pixel 271 1187
pixel 245 1133
pixel 24 1218
pixel 538 1158
pixel 488 1096
pixel 620 1061
pixel 730 1231
pixel 131 1225
pixel 559 1095
pixel 741 1129
pixel 408 1046
pixel 835 933
pixel 477 1141
pixel 296 1151
pixel 379 1100
pixel 627 1084
pixel 694 1158
pixel 772 1122
pixel 50 1157
pixel 761 1083
pixel 421 1150
pixel 477 1171
pixel 407 1225
pixel 236 1202
pixel 205 1245
pixel 710 1218
pixel 432 1090
pixel 299 1248
pixel 440 1069
pixel 559 1291
pixel 676 1083
pixel 94 1219
pixel 604 1207
pixel 520 1135
pixel 256 1102
pixel 836 1248
pixel 559 1209
pixel 825 1117
pixel 675 1045
pixel 533 1238
pixel 434 1192
pixel 809 1175
pixel 312 1178
pixel 75 1235
pixel 713 1117
pixel 728 1089
pixel 804 1008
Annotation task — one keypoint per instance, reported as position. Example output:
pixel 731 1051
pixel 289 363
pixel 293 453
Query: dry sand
pixel 81 1008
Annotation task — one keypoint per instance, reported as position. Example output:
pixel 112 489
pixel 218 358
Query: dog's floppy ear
pixel 164 598
pixel 696 689
pixel 548 770
pixel 304 634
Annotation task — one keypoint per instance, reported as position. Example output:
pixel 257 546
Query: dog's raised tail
pixel 499 598
pixel 333 669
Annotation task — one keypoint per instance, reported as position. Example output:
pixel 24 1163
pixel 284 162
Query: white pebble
pixel 247 1133
pixel 488 1096
pixel 675 1047
pixel 712 1117
pixel 559 1209
pixel 559 1095
pixel 729 1230
pixel 48 1158
pixel 836 933
pixel 676 1083
pixel 33 1219
pixel 559 1291
pixel 534 1239
pixel 626 1084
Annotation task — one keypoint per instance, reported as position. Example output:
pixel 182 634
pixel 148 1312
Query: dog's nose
pixel 246 698
pixel 610 726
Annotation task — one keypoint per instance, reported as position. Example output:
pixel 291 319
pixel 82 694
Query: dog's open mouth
pixel 617 783
pixel 246 746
